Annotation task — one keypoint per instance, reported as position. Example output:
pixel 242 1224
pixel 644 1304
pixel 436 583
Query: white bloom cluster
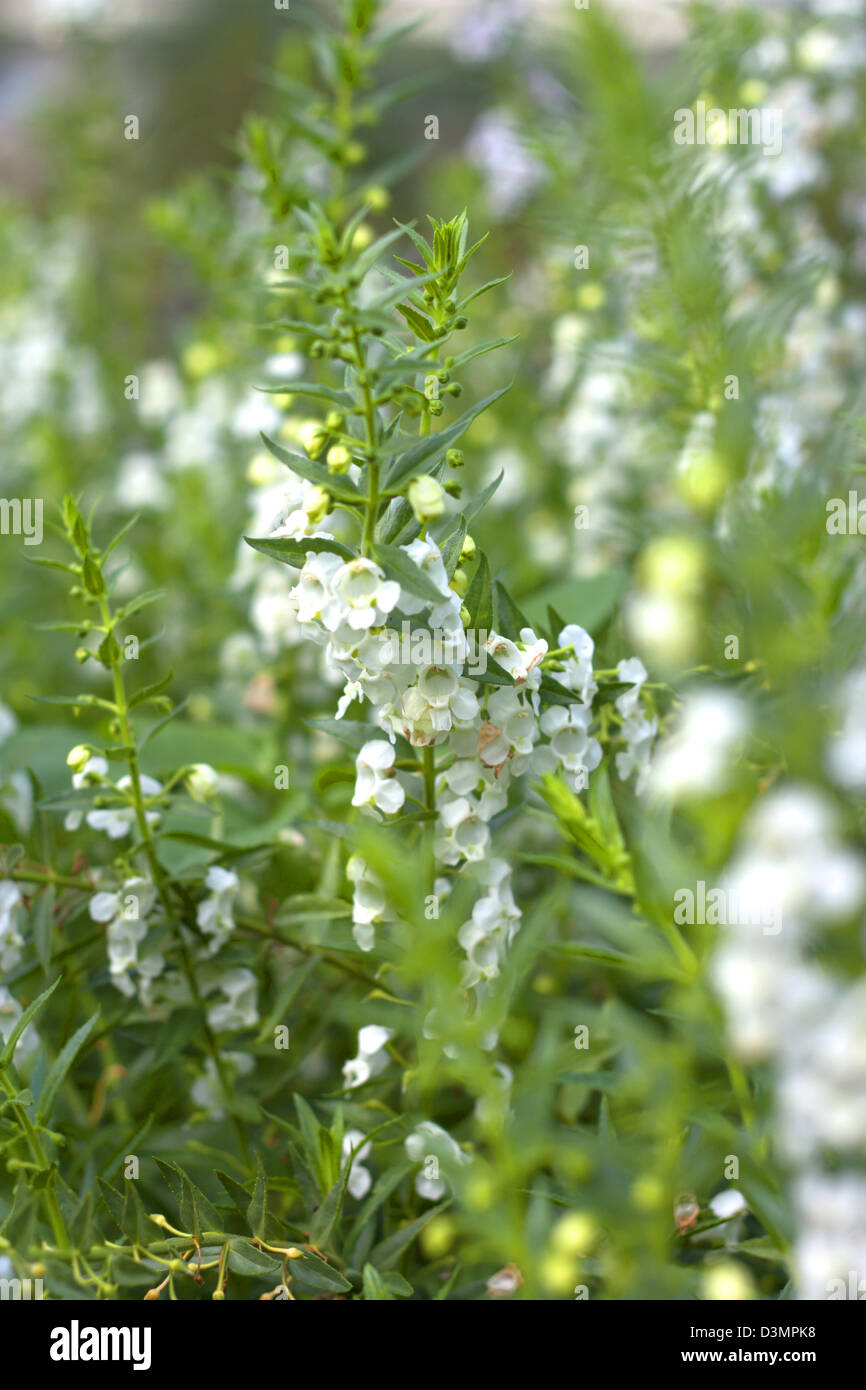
pixel 369 906
pixel 116 821
pixel 371 1058
pixel 132 917
pixel 126 912
pixel 495 733
pixel 440 1156
pixel 11 940
pixel 785 1007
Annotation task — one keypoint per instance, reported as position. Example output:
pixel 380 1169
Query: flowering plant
pixel 433 944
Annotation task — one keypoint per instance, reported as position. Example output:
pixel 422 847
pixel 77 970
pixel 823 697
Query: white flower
pixel 831 1239
pixel 699 756
pixel 207 1089
pixel 116 821
pixel 433 1147
pixel 125 910
pixel 846 755
pixel 631 670
pixel 375 784
pixel 363 596
pixel 10 912
pixel 577 673
pixel 728 1203
pixel 313 592
pixel 438 701
pixel 463 832
pixel 371 1058
pixel 240 1010
pixel 639 734
pixel 368 902
pixel 519 662
pixel 568 731
pixel 360 1179
pixel 202 781
pixel 513 724
pixel 214 913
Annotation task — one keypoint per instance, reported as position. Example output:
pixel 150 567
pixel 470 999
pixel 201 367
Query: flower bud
pixel 467 550
pixel 312 437
pixel 426 498
pixel 460 582
pixel 78 757
pixel 454 458
pixel 202 781
pixel 338 459
pixel 377 198
pixel 317 504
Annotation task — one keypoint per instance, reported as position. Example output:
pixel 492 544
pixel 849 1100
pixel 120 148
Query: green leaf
pixel 403 468
pixel 257 1209
pixel 318 1274
pixel 150 692
pixel 479 598
pixel 290 552
pixel 481 350
pixel 10 855
pixel 452 547
pixel 113 1201
pixel 246 1258
pixel 388 1251
pixel 312 389
pixel 42 918
pixel 508 619
pixel 482 289
pixel 60 1069
pixel 375 1288
pixel 238 1194
pixel 340 487
pixel 589 601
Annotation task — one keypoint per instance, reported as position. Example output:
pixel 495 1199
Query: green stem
pixel 55 1216
pixel 160 878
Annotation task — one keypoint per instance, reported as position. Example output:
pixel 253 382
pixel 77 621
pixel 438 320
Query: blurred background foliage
pixel 706 519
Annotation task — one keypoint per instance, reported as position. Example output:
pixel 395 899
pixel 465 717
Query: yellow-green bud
pixel 426 498
pixel 78 757
pixel 574 1234
pixel 317 504
pixel 377 198
pixel 468 548
pixel 460 582
pixel 454 458
pixel 312 437
pixel 338 459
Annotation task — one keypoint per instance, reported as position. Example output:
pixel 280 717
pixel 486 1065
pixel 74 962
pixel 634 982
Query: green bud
pixel 454 458
pixel 426 498
pixel 468 548
pixel 460 582
pixel 317 504
pixel 338 459
pixel 78 757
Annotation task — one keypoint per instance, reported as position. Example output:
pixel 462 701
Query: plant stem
pixel 55 1216
pixel 160 878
